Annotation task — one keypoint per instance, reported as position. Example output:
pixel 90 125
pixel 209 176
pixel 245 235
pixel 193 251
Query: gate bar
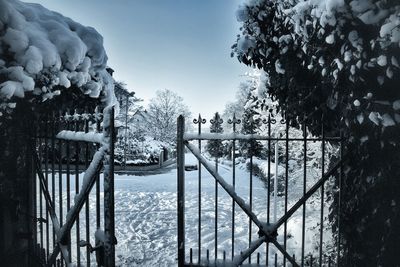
pixel 269 184
pixel 87 210
pixel 77 222
pixel 303 231
pixel 286 186
pixel 180 149
pixel 53 169
pixel 109 214
pixel 321 232
pixel 46 175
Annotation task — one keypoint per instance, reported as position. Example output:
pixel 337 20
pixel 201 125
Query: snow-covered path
pixel 148 206
pixel 146 216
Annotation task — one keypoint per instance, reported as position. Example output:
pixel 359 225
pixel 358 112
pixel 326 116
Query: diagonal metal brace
pixel 87 185
pixel 265 229
pixel 50 205
pixel 309 193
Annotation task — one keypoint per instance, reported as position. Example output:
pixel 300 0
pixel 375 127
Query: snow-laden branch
pixel 81 136
pixel 44 52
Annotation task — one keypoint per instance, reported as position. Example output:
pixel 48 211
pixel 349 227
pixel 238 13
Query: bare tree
pixel 163 111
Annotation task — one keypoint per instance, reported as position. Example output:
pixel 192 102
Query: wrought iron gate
pixel 73 153
pixel 267 241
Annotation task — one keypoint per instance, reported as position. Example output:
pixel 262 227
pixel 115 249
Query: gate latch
pixel 99 246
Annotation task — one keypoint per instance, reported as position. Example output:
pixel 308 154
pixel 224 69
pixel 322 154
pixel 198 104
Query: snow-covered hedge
pixel 340 42
pixel 139 150
pixel 336 62
pixel 43 52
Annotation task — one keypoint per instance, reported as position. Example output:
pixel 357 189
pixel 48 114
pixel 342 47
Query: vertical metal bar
pixel 46 164
pixel 87 216
pixel 40 188
pixel 126 128
pixel 77 226
pixel 112 204
pixel 109 214
pixel 304 192
pixel 321 232
pixel 251 183
pixel 60 178
pixel 340 185
pixel 216 214
pixel 53 169
pixel 68 181
pixel 98 212
pixel 200 120
pixel 33 195
pixel 181 190
pixel 286 186
pixel 276 181
pixel 276 260
pixel 234 121
pixel 269 184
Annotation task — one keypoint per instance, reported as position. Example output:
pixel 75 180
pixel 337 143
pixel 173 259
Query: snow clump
pixel 42 52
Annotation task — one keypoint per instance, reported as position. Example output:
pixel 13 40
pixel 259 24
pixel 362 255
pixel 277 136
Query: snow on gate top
pixel 42 52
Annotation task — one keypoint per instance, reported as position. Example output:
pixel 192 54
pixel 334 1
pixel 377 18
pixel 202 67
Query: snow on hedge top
pixel 41 50
pixel 357 40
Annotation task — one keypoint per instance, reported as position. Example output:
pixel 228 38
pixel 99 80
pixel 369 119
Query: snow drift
pixel 42 52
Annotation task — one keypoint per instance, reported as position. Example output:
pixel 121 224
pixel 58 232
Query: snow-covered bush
pixel 338 60
pixel 43 52
pixel 142 149
pixel 48 63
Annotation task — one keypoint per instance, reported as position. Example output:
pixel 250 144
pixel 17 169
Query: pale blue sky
pixel 181 45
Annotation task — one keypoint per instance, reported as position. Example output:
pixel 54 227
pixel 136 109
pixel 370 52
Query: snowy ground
pixel 148 206
pixel 146 217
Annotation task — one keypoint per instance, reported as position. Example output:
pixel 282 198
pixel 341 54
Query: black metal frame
pixel 268 231
pixel 92 143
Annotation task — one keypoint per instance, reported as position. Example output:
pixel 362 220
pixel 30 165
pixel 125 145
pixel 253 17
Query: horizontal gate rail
pixel 217 136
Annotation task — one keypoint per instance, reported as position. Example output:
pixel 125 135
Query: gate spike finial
pixel 199 120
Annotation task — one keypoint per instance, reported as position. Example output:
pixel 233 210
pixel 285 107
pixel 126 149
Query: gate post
pixel 181 190
pixel 109 215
